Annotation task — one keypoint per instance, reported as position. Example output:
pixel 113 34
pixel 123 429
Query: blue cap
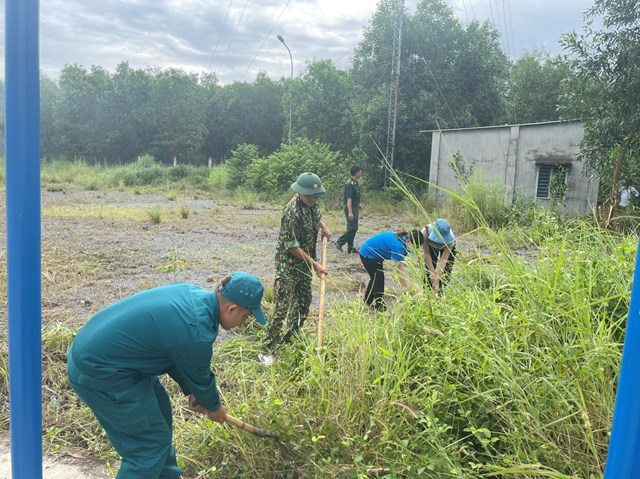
pixel 245 290
pixel 440 232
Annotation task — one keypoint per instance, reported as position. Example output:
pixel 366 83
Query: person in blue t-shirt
pixel 116 358
pixel 381 247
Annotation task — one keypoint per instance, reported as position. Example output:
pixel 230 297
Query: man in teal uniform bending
pixel 116 358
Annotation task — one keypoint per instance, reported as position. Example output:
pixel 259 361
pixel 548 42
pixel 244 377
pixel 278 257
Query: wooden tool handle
pixel 234 421
pixel 322 291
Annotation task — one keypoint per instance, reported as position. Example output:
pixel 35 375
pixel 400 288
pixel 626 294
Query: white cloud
pixel 194 35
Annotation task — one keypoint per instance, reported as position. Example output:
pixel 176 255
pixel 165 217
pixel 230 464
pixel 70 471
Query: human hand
pixel 194 406
pixel 320 270
pixel 351 216
pixel 219 415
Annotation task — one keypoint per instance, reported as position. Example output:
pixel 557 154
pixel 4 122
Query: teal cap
pixel 245 290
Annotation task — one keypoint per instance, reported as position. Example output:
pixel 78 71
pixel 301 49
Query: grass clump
pixel 155 214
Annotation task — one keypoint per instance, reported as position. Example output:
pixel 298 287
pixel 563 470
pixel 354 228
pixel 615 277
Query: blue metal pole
pixel 22 128
pixel 623 459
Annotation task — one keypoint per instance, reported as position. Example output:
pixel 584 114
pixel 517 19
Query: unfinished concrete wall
pixel 516 155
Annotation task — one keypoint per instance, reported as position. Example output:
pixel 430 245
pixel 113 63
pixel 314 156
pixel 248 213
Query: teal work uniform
pixel 292 287
pixel 351 190
pixel 116 358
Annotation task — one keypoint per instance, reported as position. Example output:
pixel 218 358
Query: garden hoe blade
pixel 248 427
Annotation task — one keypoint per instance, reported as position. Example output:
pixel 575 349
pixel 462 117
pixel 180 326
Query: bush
pixel 239 163
pixel 279 170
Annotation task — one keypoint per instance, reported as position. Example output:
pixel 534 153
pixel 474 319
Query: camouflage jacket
pixel 298 229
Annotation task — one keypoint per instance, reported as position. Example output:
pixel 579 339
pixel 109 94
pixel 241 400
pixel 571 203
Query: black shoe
pixel 354 250
pixel 339 248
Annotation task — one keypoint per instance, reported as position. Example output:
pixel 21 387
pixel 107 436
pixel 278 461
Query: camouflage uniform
pixel 292 287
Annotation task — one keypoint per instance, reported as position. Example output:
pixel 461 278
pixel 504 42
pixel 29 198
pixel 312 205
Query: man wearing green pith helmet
pixel 296 260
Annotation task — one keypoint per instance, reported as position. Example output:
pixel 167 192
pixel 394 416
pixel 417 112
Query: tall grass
pixel 511 374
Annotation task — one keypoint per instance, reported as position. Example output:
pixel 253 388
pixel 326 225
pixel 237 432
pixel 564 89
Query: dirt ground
pixel 99 247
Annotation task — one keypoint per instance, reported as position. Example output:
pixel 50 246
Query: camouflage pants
pixel 292 298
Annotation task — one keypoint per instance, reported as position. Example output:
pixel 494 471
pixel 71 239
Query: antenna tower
pixel 394 91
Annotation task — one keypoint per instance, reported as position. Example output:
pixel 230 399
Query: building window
pixel 547 177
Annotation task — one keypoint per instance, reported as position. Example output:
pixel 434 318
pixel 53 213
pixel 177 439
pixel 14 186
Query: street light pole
pixel 290 85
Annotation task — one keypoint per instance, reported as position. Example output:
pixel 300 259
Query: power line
pixel 265 39
pixel 220 35
pixel 506 30
pixel 513 44
pixel 233 36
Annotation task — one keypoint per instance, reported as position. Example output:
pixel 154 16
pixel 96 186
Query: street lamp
pixel 291 84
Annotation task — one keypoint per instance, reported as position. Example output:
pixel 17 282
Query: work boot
pixel 339 247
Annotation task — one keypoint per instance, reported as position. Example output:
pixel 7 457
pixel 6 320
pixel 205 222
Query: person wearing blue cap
pixel 439 253
pixel 116 358
pixel 385 246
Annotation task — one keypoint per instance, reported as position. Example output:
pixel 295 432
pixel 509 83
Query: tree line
pixel 454 75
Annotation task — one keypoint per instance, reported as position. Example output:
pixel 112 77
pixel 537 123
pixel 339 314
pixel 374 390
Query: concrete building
pixel 525 157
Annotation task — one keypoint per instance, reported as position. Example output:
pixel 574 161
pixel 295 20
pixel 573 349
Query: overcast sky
pixel 237 38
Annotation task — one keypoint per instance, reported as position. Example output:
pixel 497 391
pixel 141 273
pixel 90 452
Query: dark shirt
pixel 352 190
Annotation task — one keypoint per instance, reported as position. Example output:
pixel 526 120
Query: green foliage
pixel 246 197
pixel 324 115
pixel 239 163
pixel 513 372
pixel 219 177
pixel 275 173
pixel 558 186
pixel 174 264
pixel 604 89
pixel 155 214
pixel 535 86
pixel 484 201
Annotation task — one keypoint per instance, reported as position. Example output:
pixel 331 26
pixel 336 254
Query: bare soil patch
pixel 99 247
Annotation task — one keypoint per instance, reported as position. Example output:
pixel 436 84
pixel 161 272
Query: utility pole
pixel 394 92
pixel 281 38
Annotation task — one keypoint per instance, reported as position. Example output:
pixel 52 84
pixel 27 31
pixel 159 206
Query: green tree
pixel 239 163
pixel 604 90
pixel 535 87
pixel 451 76
pixel 80 110
pixel 176 117
pixel 322 109
pixel 129 107
pixel 254 113
pixel 48 99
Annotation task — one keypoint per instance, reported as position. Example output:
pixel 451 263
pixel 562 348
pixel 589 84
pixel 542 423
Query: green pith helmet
pixel 308 184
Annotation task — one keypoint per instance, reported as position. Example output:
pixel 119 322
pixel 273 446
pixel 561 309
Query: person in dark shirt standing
pixel 352 206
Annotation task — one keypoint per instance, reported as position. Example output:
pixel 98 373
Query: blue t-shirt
pixel 384 246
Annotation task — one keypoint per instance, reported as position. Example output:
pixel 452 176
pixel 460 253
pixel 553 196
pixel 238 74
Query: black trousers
pixel 435 256
pixel 374 294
